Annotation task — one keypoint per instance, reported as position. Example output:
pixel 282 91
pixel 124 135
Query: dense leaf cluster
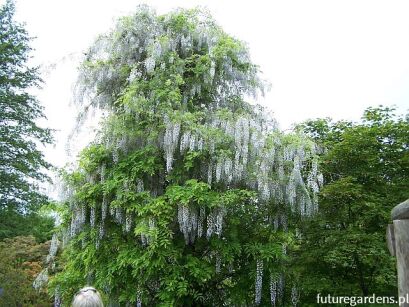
pixel 366 166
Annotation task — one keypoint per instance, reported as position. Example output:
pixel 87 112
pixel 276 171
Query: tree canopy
pixel 366 169
pixel 22 164
pixel 186 195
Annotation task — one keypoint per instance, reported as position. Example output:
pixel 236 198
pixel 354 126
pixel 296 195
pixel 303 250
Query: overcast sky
pixel 323 58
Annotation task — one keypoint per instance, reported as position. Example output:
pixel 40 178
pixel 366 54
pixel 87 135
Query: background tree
pixel 366 169
pixel 22 164
pixel 189 195
pixel 39 225
pixel 21 260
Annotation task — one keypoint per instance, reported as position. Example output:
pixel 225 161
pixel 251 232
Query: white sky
pixel 323 58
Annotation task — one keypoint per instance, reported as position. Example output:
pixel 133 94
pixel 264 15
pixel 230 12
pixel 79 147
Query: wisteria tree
pixel 189 194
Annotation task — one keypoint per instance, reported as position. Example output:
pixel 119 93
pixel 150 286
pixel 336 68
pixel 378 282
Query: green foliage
pixel 366 169
pixel 13 224
pixel 21 163
pixel 21 259
pixel 184 273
